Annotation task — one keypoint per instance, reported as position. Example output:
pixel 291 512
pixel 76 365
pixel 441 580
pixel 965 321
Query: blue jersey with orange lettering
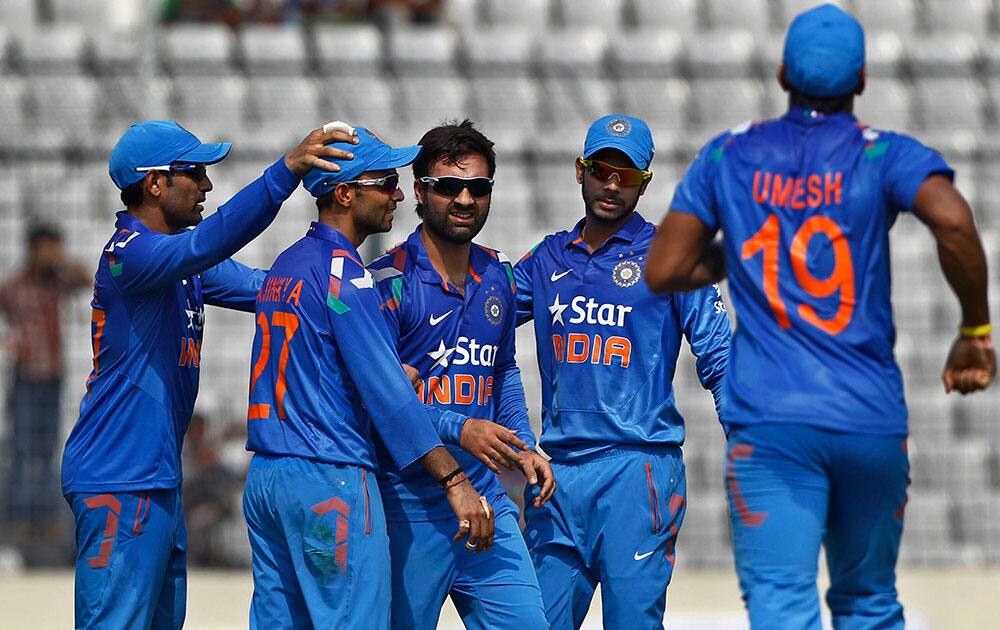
pixel 148 312
pixel 324 368
pixel 805 203
pixel 463 348
pixel 607 346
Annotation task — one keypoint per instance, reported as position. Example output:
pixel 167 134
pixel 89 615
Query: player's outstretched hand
pixel 475 516
pixel 971 365
pixel 311 151
pixel 537 469
pixel 491 443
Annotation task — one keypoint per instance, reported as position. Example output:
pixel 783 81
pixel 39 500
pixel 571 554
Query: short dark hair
pixel 451 141
pixel 132 194
pixel 827 105
pixel 42 232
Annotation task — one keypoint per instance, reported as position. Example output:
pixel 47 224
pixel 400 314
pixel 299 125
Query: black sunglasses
pixel 453 186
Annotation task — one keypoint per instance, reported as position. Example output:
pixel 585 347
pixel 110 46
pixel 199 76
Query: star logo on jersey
pixel 494 310
pixel 557 311
pixel 196 319
pixel 626 273
pixel 441 355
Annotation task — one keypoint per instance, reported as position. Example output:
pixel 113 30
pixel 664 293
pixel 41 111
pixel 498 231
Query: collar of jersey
pixel 806 116
pixel 479 261
pixel 327 233
pixel 625 233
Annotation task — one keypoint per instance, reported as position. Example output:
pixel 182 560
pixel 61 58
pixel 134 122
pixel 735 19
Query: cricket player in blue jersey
pixel 817 451
pixel 121 471
pixel 607 349
pixel 450 308
pixel 324 374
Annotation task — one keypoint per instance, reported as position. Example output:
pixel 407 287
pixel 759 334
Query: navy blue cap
pixel 370 154
pixel 824 52
pixel 628 134
pixel 158 143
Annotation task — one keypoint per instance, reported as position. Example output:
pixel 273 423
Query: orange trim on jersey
pixel 475 276
pixel 99 318
pixel 258 412
pixel 346 254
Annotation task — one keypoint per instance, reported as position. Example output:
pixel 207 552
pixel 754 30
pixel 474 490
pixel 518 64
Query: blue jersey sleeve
pixel 368 351
pixel 141 262
pixel 231 284
pixel 908 165
pixel 511 410
pixel 695 194
pixel 522 279
pixel 706 326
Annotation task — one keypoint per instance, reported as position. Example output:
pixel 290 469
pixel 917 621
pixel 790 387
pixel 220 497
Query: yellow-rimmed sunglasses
pixel 604 172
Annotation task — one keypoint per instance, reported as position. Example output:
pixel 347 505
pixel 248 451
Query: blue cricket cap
pixel 628 134
pixel 824 52
pixel 158 143
pixel 370 154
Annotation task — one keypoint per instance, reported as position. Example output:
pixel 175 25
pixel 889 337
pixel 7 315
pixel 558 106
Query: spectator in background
pixel 30 301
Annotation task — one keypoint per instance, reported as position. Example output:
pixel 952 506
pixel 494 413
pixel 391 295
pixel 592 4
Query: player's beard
pixel 441 223
pixel 596 213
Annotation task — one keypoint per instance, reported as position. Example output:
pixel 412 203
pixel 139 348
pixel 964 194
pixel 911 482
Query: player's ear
pixel 579 171
pixel 418 191
pixel 152 184
pixel 343 194
pixel 861 83
pixel 782 81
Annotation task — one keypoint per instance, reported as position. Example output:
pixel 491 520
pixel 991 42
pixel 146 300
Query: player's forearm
pixel 964 265
pixel 439 463
pixel 682 256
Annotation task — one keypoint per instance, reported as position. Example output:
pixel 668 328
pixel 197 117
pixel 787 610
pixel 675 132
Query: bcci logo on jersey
pixel 494 310
pixel 626 273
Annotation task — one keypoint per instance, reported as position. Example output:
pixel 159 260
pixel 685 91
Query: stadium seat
pixel 606 15
pixel 117 53
pixel 535 15
pixel 506 110
pixel 929 529
pixel 94 15
pixel 68 111
pixel 464 15
pixel 946 55
pixel 648 53
pixel 6 44
pixel 560 204
pixel 751 15
pixel 888 15
pixel 349 50
pixel 885 104
pixel 370 102
pixel 680 15
pixel 579 52
pixel 949 104
pixel 212 108
pixel 198 49
pixel 884 54
pixel 569 106
pixel 282 111
pixel 722 54
pixel 987 203
pixel 974 417
pixel 14 123
pixel 720 104
pixel 991 56
pixel 58 50
pixel 274 50
pixel 423 51
pixel 661 103
pixel 427 102
pixel 704 540
pixel 502 51
pixel 788 9
pixel 970 16
pixel 19 15
pixel 129 102
pixel 510 227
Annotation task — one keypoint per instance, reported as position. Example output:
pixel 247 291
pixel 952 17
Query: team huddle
pixel 384 399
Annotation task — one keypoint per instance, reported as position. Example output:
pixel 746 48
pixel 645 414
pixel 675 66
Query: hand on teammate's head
pixel 311 151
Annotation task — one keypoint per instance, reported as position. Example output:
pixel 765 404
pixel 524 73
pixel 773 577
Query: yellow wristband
pixel 976 331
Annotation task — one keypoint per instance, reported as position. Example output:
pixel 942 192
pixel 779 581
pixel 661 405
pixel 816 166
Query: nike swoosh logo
pixel 645 555
pixel 556 276
pixel 434 321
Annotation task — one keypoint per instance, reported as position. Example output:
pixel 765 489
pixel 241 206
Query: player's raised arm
pixel 682 255
pixel 971 363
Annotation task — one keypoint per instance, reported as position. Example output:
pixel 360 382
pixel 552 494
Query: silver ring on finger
pixel 463 524
pixel 469 545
